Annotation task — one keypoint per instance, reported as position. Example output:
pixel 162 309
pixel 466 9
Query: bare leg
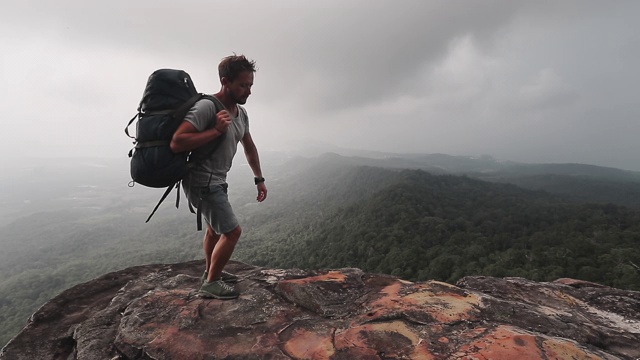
pixel 209 243
pixel 222 253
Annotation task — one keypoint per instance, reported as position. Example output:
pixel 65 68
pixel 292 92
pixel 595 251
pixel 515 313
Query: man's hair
pixel 231 66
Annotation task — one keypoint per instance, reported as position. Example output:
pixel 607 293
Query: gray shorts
pixel 214 205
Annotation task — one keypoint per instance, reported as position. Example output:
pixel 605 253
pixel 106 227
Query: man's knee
pixel 211 234
pixel 234 234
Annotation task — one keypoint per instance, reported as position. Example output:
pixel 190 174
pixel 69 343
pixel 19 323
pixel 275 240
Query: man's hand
pixel 262 192
pixel 223 121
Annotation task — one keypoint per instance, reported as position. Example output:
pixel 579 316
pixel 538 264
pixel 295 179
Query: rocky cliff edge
pixel 153 312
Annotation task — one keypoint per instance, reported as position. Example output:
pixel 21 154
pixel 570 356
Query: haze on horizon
pixel 544 81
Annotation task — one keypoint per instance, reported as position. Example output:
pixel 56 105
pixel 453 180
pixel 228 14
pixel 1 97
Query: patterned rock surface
pixel 153 312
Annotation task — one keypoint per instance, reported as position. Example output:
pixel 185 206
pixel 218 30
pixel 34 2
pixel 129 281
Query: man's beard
pixel 238 100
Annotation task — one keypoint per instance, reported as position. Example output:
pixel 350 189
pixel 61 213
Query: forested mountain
pixel 65 224
pixel 575 182
pixel 422 226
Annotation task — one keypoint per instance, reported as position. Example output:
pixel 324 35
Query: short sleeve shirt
pixel 211 168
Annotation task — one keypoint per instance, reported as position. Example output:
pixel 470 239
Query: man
pixel 205 184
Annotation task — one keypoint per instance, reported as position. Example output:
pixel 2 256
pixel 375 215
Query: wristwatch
pixel 258 180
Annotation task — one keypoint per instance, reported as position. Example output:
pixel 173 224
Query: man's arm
pixel 251 152
pixel 187 137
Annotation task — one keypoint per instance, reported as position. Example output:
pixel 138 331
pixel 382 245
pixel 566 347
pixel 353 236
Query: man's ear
pixel 224 81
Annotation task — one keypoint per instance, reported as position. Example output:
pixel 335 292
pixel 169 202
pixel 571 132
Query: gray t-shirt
pixel 216 165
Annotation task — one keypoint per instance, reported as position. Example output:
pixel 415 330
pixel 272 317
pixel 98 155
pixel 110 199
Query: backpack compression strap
pixel 164 196
pixel 126 129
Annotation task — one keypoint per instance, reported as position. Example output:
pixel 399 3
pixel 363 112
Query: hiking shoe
pixel 228 277
pixel 225 276
pixel 218 289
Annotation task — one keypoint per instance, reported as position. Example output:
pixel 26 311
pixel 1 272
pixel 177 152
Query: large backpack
pixel 168 96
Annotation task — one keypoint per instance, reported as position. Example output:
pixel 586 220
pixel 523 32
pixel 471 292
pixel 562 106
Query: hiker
pixel 205 184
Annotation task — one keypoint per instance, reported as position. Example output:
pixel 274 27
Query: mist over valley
pixel 417 216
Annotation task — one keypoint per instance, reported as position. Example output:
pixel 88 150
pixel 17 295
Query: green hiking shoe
pixel 219 290
pixel 225 276
pixel 228 277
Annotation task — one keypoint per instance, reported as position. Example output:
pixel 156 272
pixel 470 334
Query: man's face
pixel 240 88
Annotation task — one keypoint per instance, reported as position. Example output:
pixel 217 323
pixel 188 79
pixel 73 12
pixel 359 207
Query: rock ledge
pixel 153 312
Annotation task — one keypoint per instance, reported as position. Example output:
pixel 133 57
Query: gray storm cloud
pixel 538 81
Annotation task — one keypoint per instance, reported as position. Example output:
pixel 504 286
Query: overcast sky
pixel 532 81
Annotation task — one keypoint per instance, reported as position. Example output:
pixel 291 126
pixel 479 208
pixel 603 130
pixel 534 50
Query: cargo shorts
pixel 213 203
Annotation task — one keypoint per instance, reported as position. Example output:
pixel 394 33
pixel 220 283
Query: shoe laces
pixel 225 286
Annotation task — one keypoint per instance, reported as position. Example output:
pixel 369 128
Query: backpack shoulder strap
pixel 246 116
pixel 218 106
pixel 184 108
pixel 216 102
